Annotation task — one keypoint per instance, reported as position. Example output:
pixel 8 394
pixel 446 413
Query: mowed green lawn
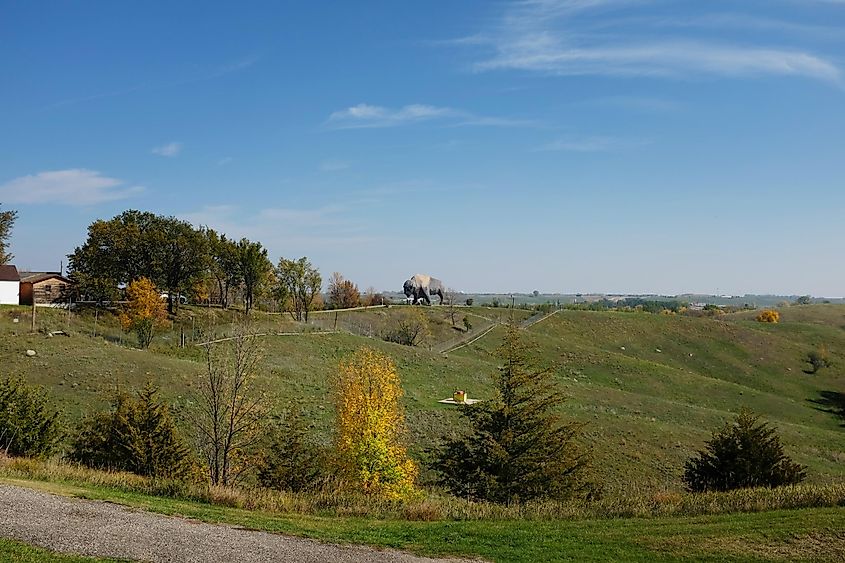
pixel 18 552
pixel 784 535
pixel 649 387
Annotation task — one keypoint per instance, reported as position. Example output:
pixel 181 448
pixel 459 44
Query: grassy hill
pixel 650 387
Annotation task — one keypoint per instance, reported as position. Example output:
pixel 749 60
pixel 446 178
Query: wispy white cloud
pixel 593 144
pixel 280 229
pixel 224 161
pixel 334 165
pixel 169 150
pixel 547 36
pixel 76 186
pixel 366 116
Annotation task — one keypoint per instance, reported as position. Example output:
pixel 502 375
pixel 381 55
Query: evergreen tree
pixel 517 447
pixel 136 435
pixel 292 461
pixel 744 453
pixel 28 425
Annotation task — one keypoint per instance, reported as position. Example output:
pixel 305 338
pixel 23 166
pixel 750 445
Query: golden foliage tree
pixel 370 426
pixel 768 316
pixel 144 312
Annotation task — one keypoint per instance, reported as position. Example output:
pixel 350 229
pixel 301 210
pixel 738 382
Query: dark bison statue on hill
pixel 421 287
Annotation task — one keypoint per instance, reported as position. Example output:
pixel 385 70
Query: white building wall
pixel 10 292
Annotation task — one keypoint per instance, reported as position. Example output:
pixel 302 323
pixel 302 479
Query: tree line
pixel 182 260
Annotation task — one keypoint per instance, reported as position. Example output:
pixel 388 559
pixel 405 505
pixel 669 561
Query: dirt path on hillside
pixel 108 530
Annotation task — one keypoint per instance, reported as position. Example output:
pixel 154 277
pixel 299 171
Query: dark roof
pixel 35 277
pixel 9 273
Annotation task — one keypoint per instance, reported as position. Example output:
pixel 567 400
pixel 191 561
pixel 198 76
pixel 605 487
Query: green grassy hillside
pixel 650 387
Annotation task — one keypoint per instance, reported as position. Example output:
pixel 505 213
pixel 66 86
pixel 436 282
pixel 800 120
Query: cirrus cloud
pixel 169 150
pixel 366 116
pixel 75 186
pixel 559 37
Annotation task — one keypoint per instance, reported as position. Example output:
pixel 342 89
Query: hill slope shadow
pixel 832 402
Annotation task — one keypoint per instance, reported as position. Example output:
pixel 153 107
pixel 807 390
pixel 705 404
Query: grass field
pixel 782 535
pixel 23 553
pixel 650 387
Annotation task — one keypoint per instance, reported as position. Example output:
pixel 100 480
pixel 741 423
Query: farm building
pixel 10 285
pixel 49 289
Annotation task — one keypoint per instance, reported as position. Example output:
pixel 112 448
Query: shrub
pixel 136 435
pixel 371 426
pixel 467 324
pixel 292 461
pixel 517 448
pixel 818 359
pixel 742 454
pixel 411 328
pixel 768 316
pixel 28 425
pixel 469 302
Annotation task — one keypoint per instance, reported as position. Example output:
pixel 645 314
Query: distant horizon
pixel 529 293
pixel 561 144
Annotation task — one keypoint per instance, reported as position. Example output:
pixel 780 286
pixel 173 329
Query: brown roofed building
pixel 49 289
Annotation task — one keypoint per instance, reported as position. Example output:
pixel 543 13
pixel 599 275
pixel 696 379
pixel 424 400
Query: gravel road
pixel 108 530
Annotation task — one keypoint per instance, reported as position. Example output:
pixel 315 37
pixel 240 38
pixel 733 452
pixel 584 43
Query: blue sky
pixel 559 145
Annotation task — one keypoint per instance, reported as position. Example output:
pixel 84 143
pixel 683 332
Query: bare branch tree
pixel 231 410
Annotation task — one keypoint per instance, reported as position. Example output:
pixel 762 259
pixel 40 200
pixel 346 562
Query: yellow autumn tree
pixel 144 311
pixel 371 425
pixel 768 316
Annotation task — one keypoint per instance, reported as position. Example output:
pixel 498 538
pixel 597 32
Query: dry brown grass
pixel 435 505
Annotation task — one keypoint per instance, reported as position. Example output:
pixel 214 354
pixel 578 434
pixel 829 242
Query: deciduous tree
pixel 298 285
pixel 223 264
pixel 136 244
pixel 232 409
pixel 144 311
pixel 410 328
pixel 253 266
pixel 343 294
pixel 7 223
pixel 371 426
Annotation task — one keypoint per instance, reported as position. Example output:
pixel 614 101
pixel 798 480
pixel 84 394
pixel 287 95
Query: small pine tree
pixel 517 447
pixel 28 425
pixel 742 454
pixel 136 435
pixel 292 461
pixel 144 312
pixel 370 427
